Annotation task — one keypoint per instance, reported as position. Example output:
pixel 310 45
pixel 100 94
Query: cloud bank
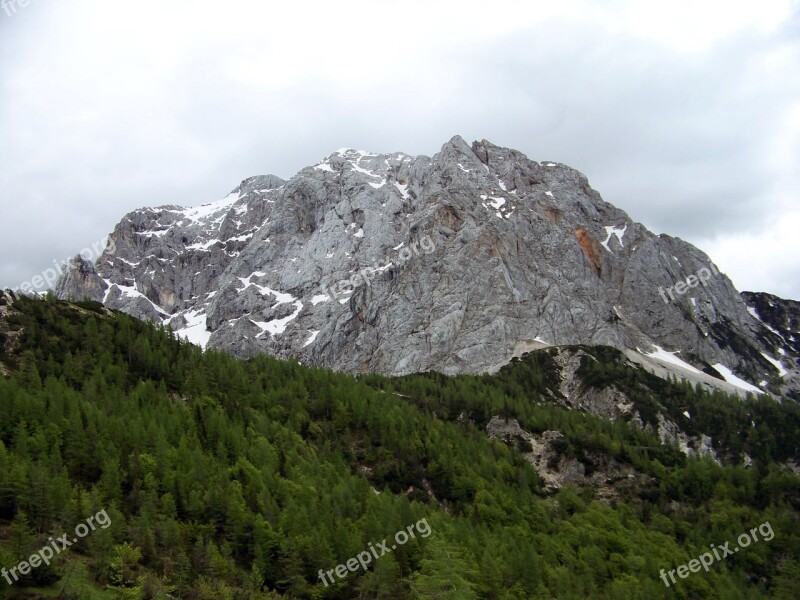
pixel 685 116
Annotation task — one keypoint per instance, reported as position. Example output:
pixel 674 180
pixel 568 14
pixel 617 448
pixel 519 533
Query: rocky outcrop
pixel 610 403
pixel 608 478
pixel 780 333
pixel 607 402
pixel 9 336
pixel 669 433
pixel 395 264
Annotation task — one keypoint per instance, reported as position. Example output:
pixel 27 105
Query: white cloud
pixel 691 26
pixel 766 259
pixel 684 114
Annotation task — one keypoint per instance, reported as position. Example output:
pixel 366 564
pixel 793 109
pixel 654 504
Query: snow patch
pixel 203 246
pixel 403 190
pixel 669 357
pixel 313 337
pixel 196 332
pixel 130 291
pixel 494 201
pixel 731 378
pixel 497 202
pixel 158 233
pixel 776 364
pixel 363 171
pixel 278 326
pixel 241 238
pixel 281 298
pixel 612 230
pixel 204 211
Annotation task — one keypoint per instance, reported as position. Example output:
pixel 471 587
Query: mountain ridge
pixel 525 252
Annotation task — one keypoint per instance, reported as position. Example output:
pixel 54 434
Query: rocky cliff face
pixel 392 263
pixel 780 332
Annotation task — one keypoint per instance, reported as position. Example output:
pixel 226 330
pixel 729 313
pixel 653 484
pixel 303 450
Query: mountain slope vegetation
pixel 225 478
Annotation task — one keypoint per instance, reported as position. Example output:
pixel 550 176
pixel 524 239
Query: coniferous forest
pixel 231 479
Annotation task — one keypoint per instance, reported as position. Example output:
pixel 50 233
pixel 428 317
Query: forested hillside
pixel 243 479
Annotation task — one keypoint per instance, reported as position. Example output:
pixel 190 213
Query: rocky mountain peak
pixel 394 263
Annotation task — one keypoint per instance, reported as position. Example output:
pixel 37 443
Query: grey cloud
pixel 680 141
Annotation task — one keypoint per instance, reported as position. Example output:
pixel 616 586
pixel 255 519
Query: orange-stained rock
pixel 591 248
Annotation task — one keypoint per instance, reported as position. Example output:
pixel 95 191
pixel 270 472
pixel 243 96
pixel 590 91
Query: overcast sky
pixel 685 114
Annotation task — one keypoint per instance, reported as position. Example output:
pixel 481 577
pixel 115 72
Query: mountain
pixel 394 264
pixel 781 317
pixel 218 478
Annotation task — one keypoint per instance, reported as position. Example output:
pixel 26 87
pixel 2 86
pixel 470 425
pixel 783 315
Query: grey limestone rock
pixel 394 264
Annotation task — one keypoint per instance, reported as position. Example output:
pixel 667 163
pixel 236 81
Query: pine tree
pixel 445 573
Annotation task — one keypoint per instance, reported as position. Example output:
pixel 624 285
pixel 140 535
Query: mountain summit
pixel 394 264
